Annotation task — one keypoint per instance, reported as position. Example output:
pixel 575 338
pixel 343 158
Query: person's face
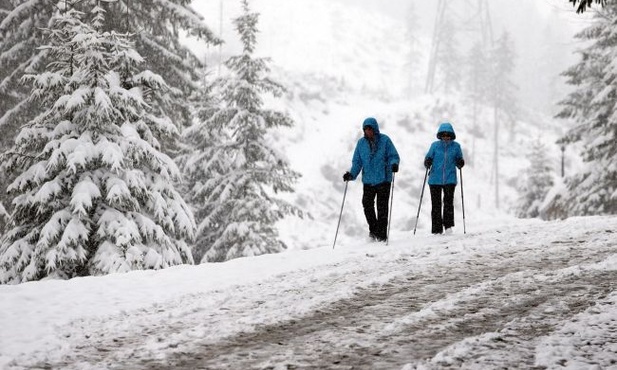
pixel 368 132
pixel 446 136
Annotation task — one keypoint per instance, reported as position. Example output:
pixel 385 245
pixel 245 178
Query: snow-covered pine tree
pixel 93 195
pixel 592 190
pixel 242 172
pixel 157 25
pixel 203 163
pixel 537 181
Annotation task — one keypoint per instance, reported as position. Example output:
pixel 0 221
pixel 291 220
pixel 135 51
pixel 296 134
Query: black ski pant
pixel 377 223
pixel 442 217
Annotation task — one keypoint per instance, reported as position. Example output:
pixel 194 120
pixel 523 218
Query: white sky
pixel 539 293
pixel 328 37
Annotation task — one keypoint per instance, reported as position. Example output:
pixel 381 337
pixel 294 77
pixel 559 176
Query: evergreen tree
pixel 592 106
pixel 241 172
pixel 504 89
pixel 5 9
pixel 548 86
pixel 157 26
pixel 450 59
pixel 476 92
pixel 204 163
pixel 477 80
pixel 93 194
pixel 538 180
pixel 414 54
pixel 584 5
pixel 503 97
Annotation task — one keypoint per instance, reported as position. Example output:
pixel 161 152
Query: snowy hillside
pixel 512 294
pixel 326 146
pixel 341 63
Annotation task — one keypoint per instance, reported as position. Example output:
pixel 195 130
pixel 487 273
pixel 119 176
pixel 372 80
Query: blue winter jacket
pixel 444 154
pixel 374 159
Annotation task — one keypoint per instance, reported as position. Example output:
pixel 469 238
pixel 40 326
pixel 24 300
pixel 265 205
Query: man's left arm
pixel 392 153
pixel 460 162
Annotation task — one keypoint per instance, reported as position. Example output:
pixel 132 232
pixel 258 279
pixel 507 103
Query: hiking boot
pixel 448 231
pixel 380 238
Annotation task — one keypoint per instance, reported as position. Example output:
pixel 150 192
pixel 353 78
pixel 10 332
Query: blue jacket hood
pixel 446 127
pixel 372 122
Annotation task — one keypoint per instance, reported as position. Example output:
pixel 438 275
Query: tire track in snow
pixel 501 303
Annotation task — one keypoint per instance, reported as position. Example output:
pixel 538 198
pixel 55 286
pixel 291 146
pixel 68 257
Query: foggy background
pixel 542 31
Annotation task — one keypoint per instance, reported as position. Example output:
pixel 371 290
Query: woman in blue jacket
pixel 443 157
pixel 377 158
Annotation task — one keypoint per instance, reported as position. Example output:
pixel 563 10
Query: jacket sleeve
pixel 431 152
pixel 459 152
pixel 356 162
pixel 392 153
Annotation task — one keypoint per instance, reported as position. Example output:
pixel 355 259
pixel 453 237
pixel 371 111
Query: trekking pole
pixel 341 215
pixel 390 216
pixel 463 201
pixel 420 205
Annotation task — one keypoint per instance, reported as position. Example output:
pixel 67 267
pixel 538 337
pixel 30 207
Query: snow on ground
pixel 510 292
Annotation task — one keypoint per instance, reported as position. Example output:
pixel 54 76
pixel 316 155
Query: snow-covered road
pixel 534 295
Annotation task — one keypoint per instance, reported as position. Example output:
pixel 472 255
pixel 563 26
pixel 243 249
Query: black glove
pixel 428 162
pixel 347 176
pixel 395 167
pixel 460 163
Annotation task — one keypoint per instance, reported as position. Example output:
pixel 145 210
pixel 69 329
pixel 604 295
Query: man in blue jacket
pixel 443 157
pixel 377 158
